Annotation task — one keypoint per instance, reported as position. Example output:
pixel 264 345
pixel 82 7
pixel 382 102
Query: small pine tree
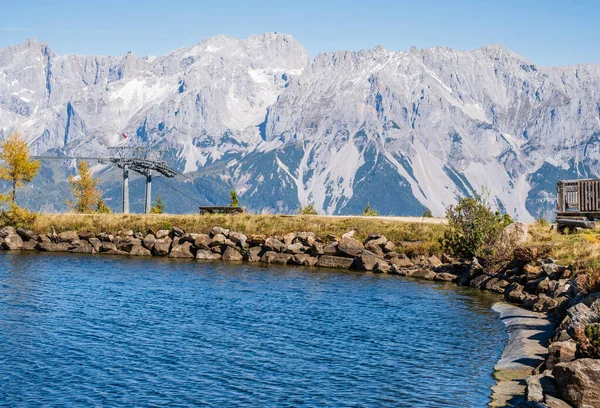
pixel 158 207
pixel 308 210
pixel 84 189
pixel 101 207
pixel 18 168
pixel 234 199
pixel 371 212
pixel 427 213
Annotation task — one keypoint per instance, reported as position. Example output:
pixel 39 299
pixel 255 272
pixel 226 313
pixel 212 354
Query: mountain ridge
pixel 404 130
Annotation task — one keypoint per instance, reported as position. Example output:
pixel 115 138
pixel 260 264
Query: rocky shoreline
pixel 569 374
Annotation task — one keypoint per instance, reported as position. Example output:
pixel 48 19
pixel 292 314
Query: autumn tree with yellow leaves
pixel 17 166
pixel 84 189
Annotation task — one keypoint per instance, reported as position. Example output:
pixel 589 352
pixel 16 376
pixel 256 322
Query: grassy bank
pixel 581 249
pixel 423 236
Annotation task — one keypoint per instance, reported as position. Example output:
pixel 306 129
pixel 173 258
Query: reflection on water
pixel 91 330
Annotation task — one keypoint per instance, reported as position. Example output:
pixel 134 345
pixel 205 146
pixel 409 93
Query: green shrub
pixel 234 199
pixel 308 210
pixel 474 229
pixel 370 212
pixel 158 207
pixel 101 207
pixel 427 213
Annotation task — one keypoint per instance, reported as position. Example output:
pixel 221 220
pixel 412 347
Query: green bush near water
pixel 474 229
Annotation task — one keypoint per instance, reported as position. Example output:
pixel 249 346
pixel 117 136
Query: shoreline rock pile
pixel 570 375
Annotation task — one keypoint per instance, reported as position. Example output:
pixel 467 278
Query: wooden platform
pixel 221 210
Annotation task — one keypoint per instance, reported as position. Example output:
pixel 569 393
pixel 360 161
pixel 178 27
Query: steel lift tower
pixel 143 161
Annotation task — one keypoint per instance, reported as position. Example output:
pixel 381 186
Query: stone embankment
pixel 568 377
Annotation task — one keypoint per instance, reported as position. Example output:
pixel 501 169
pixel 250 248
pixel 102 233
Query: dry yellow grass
pixel 424 236
pixel 581 249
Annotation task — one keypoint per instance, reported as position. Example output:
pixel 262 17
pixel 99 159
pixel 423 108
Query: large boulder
pixel 366 261
pixel 253 254
pixel 273 244
pixel 306 238
pixel 272 257
pixel 434 261
pixel 206 255
pixel 181 251
pixel 544 304
pixel 12 241
pixel 67 236
pixel 349 247
pixel 217 240
pixel 148 241
pixel 238 238
pixel 560 352
pixel 29 245
pixel 426 274
pixel 139 250
pixel 581 316
pixel 330 261
pixel 82 247
pixel 53 247
pixel 402 261
pixel 218 230
pixel 303 259
pixel 514 235
pixel 161 246
pixel 527 253
pixel 296 248
pixel 232 254
pixel 578 382
pixel 202 241
pixel 27 235
pixel 163 233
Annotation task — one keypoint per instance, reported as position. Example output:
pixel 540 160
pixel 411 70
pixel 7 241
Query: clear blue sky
pixel 548 32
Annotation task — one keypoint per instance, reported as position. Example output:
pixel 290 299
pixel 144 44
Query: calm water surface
pixel 103 331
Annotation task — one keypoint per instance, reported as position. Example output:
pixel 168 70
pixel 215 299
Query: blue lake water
pixel 107 331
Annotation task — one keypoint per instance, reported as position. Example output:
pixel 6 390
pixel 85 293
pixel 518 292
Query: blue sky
pixel 547 32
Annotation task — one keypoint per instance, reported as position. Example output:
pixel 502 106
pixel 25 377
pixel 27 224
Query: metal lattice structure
pixel 139 159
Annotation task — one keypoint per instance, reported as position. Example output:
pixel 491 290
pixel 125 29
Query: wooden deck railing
pixel 578 196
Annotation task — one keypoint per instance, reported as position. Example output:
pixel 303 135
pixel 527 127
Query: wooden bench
pixel 221 210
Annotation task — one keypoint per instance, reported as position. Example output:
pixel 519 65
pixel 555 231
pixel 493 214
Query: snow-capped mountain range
pixel 402 130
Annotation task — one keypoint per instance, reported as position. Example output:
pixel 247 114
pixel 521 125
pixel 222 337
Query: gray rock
pixel 161 246
pixel 426 274
pixel 148 241
pixel 232 254
pixel 578 382
pixel 402 262
pixel 238 238
pixel 27 235
pixel 273 244
pixel 181 251
pixel 206 255
pixel 139 250
pixel 217 240
pixel 219 231
pixel 12 241
pixel 202 241
pixel 82 248
pixel 434 261
pixel 67 236
pixel 296 248
pixel 28 245
pixel 304 259
pixel 176 232
pixel 96 243
pixel 289 238
pixel 445 277
pixel 366 261
pixel 553 402
pixel 53 247
pixel 330 261
pixel 107 246
pixel 349 247
pixel 382 267
pixel 306 238
pixel 479 281
pixel 561 352
pixel 162 234
pixel 253 254
pixel 544 304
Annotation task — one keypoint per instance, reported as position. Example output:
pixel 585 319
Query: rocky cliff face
pixel 404 131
